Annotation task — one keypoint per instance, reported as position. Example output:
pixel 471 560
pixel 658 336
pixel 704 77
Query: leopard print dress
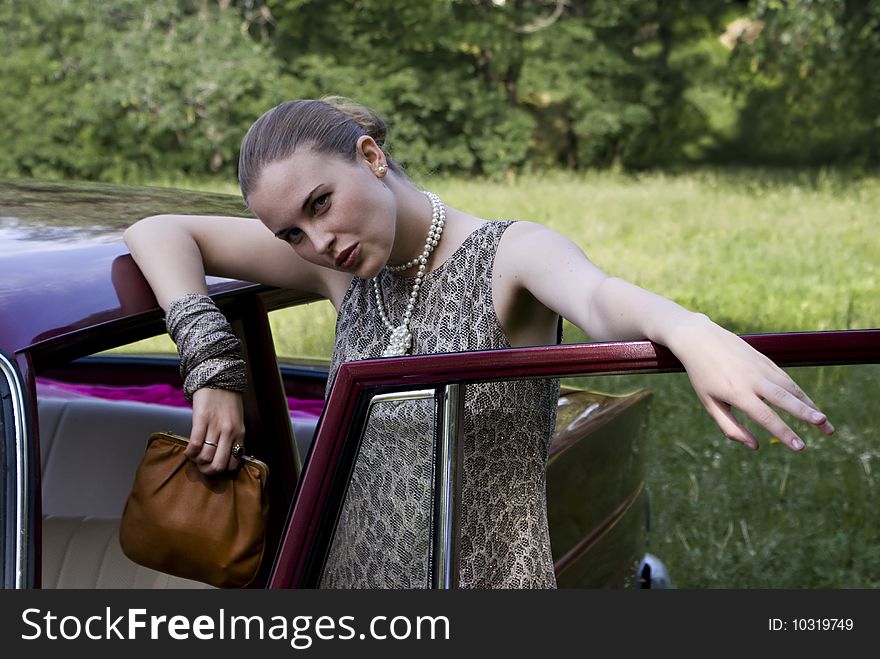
pixel 383 537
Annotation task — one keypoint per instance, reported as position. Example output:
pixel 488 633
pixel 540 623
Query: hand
pixel 218 424
pixel 726 371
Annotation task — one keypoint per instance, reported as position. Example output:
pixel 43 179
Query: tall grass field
pixel 758 251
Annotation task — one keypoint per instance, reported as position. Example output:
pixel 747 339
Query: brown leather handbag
pixel 183 522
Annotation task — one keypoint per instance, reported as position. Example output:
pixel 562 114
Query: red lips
pixel 344 256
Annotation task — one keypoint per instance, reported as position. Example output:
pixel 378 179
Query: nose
pixel 323 241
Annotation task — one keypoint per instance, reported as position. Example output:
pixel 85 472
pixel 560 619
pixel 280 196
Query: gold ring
pixel 237 450
pixel 210 443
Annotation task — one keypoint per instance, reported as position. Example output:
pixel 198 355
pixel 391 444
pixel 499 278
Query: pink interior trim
pixel 157 394
pixel 305 408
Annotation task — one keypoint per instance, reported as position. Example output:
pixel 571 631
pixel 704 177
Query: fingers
pixel 218 425
pixel 799 406
pixel 196 440
pixel 771 421
pixel 783 392
pixel 222 457
pixel 758 410
pixel 729 424
pixel 215 459
pixel 210 447
pixel 725 372
pixel 210 452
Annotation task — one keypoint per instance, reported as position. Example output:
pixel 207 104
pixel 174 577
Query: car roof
pixel 63 264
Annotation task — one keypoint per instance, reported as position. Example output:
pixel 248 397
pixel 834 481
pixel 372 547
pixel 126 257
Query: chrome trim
pixel 21 471
pixel 388 398
pixel 446 522
pixel 399 395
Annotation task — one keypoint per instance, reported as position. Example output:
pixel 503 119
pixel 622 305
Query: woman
pixel 409 275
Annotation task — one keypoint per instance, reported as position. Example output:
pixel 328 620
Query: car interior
pixel 89 439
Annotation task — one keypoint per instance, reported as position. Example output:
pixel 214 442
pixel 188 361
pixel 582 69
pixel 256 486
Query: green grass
pixel 727 517
pixel 758 251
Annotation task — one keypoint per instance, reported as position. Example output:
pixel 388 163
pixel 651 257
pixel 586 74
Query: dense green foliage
pixel 126 89
pixel 137 89
pixel 811 83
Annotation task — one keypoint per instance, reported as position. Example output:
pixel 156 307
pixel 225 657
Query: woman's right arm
pixel 175 252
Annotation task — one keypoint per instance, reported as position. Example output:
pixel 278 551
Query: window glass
pixel 161 344
pixel 382 538
pixel 638 476
pixel 306 330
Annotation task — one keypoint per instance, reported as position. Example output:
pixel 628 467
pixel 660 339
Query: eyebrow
pixel 303 207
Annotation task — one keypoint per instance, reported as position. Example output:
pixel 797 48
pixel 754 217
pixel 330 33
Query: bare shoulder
pixel 522 234
pixel 525 246
pixel 526 321
pixel 550 266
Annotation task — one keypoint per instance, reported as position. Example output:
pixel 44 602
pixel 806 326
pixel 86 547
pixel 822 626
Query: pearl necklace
pixel 401 338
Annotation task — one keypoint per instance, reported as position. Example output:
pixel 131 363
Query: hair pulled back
pixel 330 125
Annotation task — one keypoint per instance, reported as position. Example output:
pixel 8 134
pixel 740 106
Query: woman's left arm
pixel 724 370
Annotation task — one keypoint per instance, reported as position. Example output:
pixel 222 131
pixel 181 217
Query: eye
pixel 320 203
pixel 291 236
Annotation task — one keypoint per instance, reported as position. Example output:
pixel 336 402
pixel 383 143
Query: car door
pixel 321 493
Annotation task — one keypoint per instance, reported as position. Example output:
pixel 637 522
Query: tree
pixel 811 82
pixel 123 89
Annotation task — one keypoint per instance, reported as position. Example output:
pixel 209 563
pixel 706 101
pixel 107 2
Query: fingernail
pixel 817 417
pixel 797 444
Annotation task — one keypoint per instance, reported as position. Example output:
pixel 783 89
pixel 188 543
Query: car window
pixel 387 532
pixel 643 489
pixel 305 330
pixel 161 344
pixel 386 519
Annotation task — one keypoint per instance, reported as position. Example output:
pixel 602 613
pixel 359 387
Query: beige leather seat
pixel 84 552
pixel 90 449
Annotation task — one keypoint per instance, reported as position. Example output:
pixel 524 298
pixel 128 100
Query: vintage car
pixel 75 417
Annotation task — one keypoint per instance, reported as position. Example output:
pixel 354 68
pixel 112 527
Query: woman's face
pixel 334 212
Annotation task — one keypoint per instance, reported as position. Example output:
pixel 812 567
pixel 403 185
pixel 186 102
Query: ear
pixel 371 152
